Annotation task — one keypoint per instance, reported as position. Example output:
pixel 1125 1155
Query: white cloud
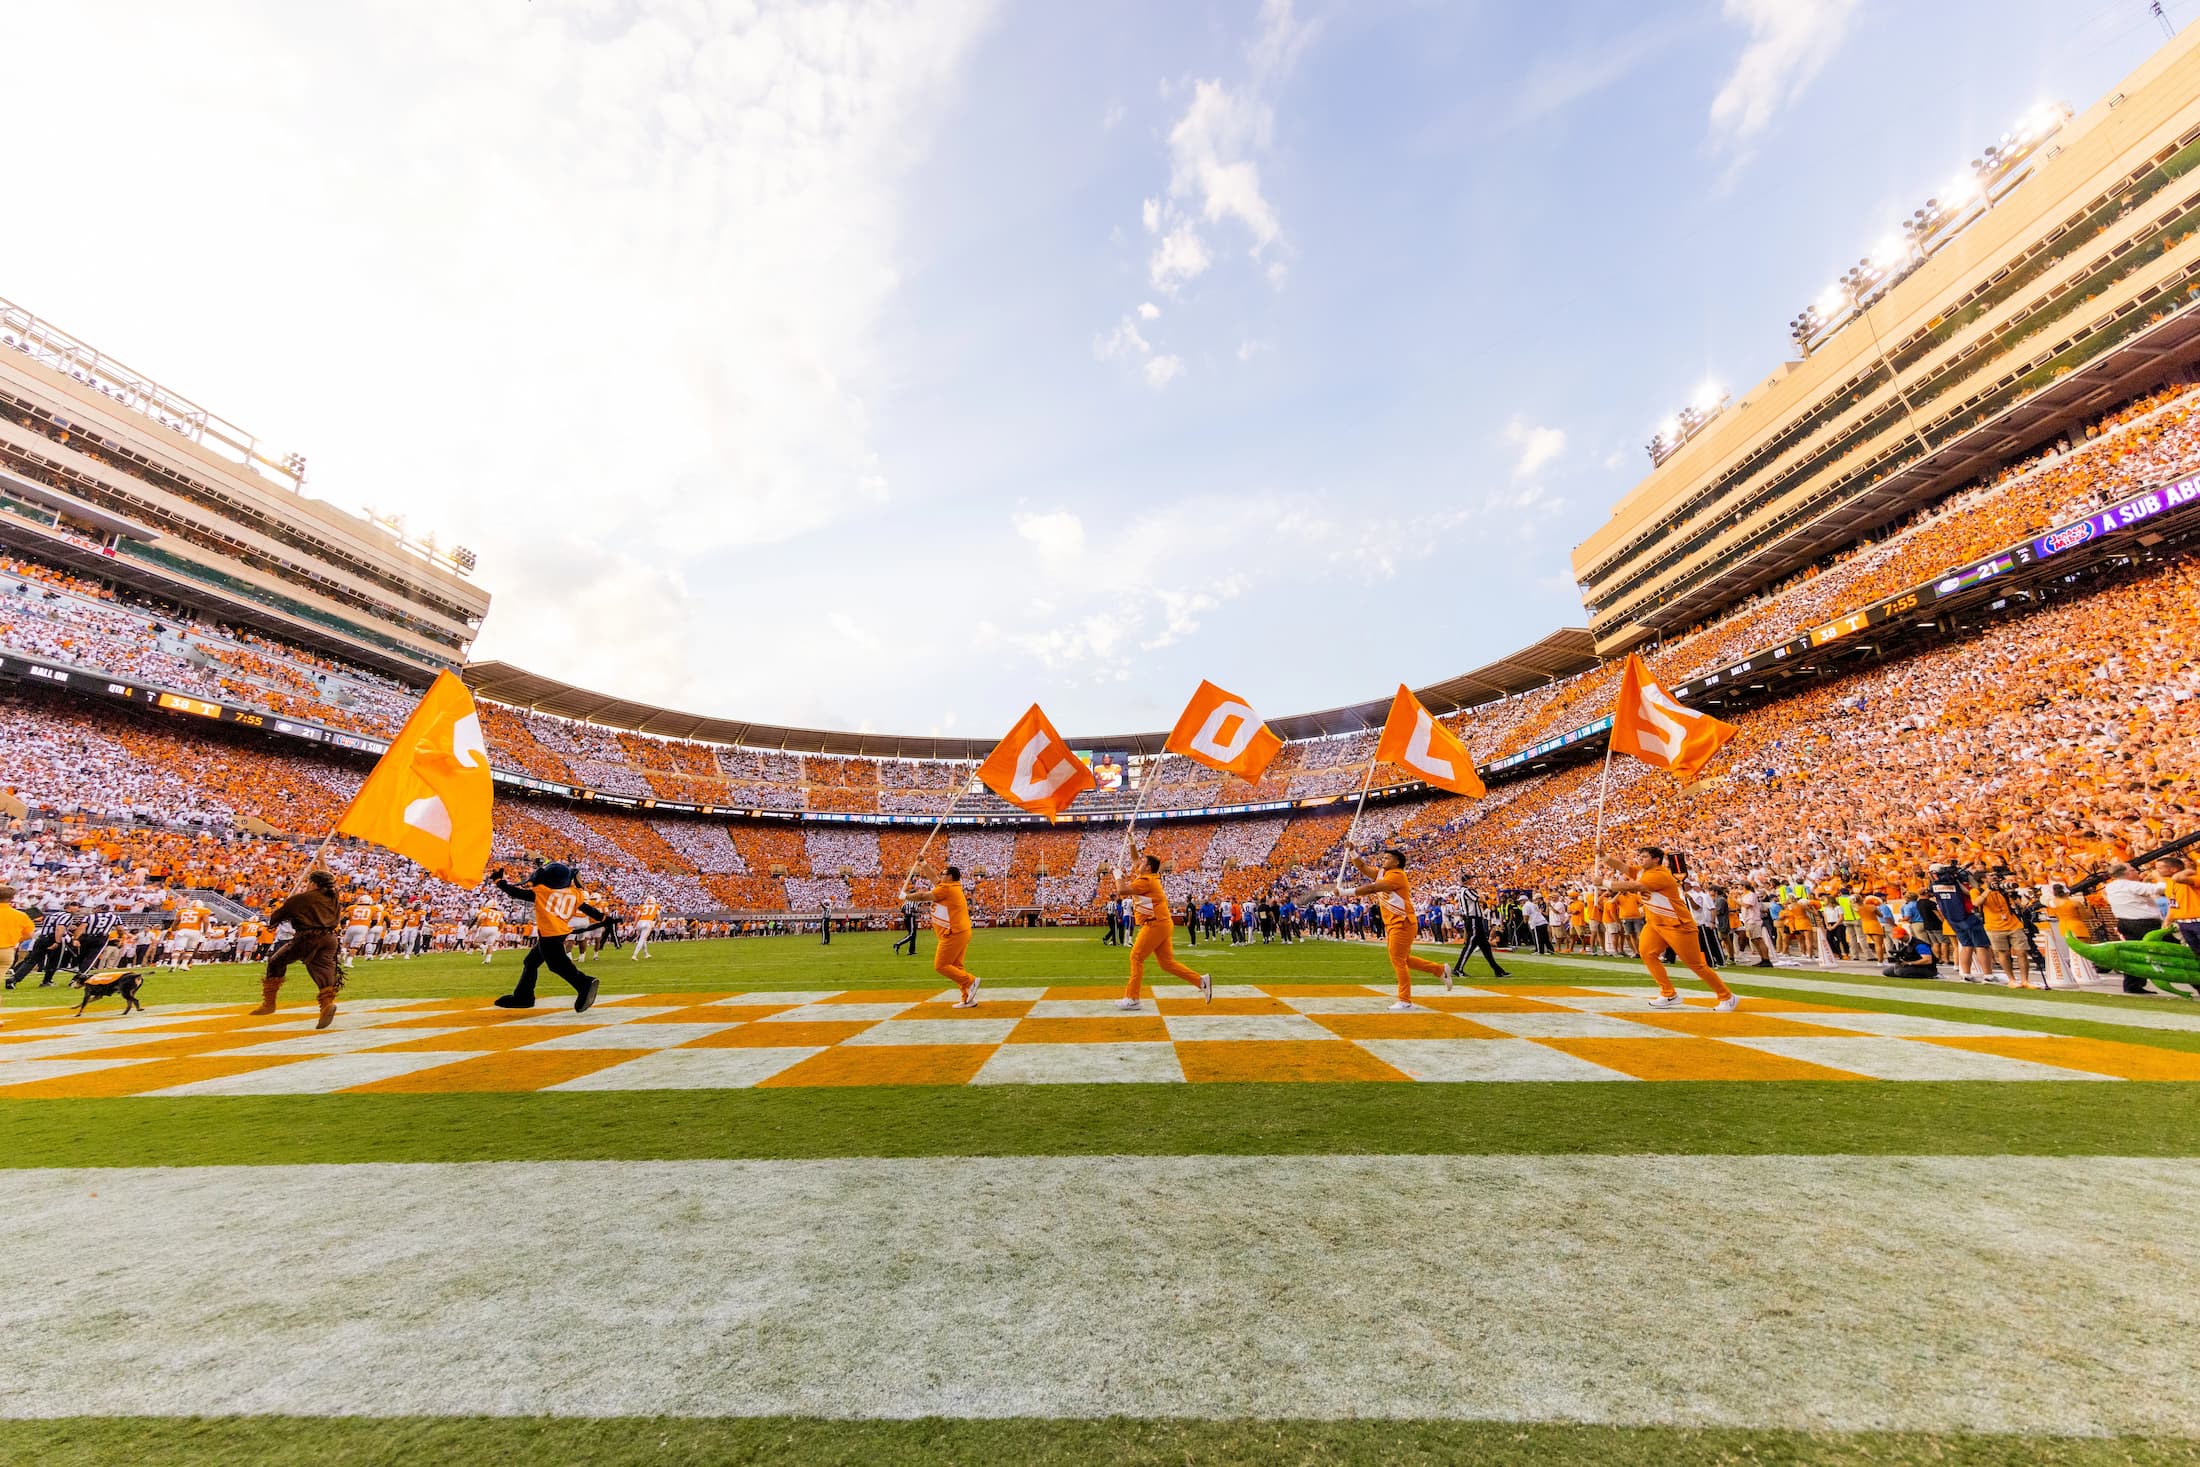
pixel 1533 446
pixel 1125 341
pixel 1058 535
pixel 1210 158
pixel 1148 311
pixel 650 249
pixel 1283 39
pixel 1182 255
pixel 1180 612
pixel 1789 41
pixel 1112 117
pixel 1250 348
pixel 1557 82
pixel 1161 371
pixel 1214 148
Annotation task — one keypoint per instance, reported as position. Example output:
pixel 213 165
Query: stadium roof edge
pixel 1561 654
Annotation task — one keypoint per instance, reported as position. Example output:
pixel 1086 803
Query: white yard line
pixel 1837 1292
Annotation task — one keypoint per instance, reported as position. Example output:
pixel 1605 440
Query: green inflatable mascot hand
pixel 2159 957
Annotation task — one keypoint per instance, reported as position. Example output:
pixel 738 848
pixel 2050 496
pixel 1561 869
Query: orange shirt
pixel 1662 902
pixel 1149 903
pixel 2184 899
pixel 647 912
pixel 950 909
pixel 2069 915
pixel 190 919
pixel 554 909
pixel 362 914
pixel 1998 916
pixel 1630 906
pixel 1394 895
pixel 488 917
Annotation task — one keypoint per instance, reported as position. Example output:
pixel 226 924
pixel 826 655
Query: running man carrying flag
pixel 1393 894
pixel 1156 933
pixel 951 922
pixel 1667 925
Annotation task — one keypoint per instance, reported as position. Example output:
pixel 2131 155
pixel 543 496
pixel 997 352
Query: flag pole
pixel 1131 824
pixel 1373 760
pixel 953 800
pixel 1604 786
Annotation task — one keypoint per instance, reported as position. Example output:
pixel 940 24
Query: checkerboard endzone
pixel 1310 1032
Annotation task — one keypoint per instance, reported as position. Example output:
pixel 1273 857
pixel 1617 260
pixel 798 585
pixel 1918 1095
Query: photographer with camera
pixel 2001 909
pixel 1958 909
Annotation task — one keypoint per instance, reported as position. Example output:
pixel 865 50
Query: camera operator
pixel 1952 897
pixel 1999 907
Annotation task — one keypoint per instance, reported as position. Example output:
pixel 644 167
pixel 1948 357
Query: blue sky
pixel 894 363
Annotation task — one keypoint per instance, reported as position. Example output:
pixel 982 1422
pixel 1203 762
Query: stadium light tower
pixel 2000 167
pixel 1703 405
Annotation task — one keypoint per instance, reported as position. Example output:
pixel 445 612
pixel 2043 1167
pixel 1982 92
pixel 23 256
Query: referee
pixel 91 939
pixel 1474 917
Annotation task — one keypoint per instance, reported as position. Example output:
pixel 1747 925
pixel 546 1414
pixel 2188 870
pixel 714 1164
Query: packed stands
pixel 2049 741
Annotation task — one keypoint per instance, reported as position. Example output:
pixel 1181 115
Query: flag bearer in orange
pixel 1668 925
pixel 951 923
pixel 1393 894
pixel 1156 933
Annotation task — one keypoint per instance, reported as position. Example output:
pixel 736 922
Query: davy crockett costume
pixel 312 915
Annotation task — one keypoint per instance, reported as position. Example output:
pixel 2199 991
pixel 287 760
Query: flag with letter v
pixel 430 797
pixel 1415 742
pixel 1656 728
pixel 1033 768
pixel 1221 731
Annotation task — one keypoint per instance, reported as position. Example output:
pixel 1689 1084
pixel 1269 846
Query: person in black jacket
pixel 1474 918
pixel 908 929
pixel 555 891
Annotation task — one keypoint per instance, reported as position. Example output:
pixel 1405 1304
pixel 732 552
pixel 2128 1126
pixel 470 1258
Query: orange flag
pixel 1651 725
pixel 1415 742
pixel 429 796
pixel 1034 769
pixel 1221 731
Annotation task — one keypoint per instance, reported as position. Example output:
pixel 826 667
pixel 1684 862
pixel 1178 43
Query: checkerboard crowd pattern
pixel 1029 1035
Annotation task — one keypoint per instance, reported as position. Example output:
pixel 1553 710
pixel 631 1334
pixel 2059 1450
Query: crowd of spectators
pixel 2045 746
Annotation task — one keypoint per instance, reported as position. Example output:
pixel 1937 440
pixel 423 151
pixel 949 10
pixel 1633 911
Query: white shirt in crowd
pixel 2135 899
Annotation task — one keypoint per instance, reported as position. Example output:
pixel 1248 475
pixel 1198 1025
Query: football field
pixel 772 1201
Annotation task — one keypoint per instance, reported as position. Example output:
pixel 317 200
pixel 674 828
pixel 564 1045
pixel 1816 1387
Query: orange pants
pixel 1658 937
pixel 947 959
pixel 1156 940
pixel 1399 940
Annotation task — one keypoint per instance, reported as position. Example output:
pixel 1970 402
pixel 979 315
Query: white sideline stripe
pixel 1986 1293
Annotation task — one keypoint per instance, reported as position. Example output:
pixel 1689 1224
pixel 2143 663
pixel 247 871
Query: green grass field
pixel 1684 1271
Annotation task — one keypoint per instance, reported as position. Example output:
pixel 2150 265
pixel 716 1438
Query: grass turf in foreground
pixel 661 1442
pixel 2034 1118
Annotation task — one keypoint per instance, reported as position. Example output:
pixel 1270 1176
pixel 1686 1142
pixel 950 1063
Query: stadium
pixel 1367 1172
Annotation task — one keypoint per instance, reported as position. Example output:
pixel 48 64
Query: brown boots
pixel 269 987
pixel 328 1008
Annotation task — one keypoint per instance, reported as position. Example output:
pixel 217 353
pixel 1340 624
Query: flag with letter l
pixel 1034 769
pixel 1221 731
pixel 1656 728
pixel 1415 742
pixel 429 797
